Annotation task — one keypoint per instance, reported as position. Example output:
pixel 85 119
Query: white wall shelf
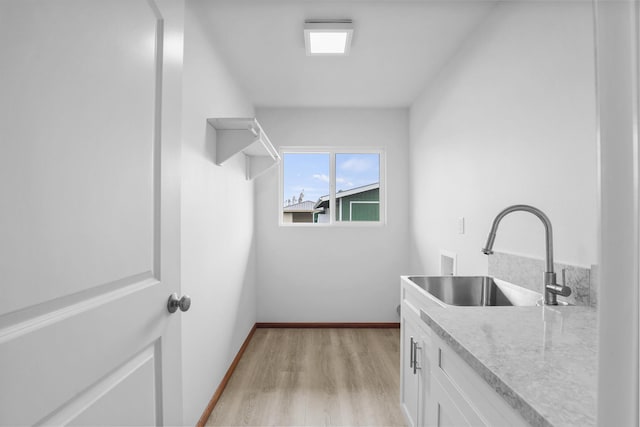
pixel 244 135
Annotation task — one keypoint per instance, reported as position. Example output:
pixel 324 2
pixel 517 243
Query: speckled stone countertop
pixel 541 360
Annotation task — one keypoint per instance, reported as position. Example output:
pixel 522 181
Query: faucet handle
pixel 562 290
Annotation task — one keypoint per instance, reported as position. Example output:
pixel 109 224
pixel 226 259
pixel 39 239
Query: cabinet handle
pixel 415 357
pixel 411 353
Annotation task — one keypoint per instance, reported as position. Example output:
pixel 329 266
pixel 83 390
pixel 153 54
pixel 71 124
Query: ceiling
pixel 397 47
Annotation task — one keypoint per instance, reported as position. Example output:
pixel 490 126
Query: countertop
pixel 541 360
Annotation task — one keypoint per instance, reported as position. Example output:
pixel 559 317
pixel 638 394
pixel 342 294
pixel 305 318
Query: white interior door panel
pixel 89 212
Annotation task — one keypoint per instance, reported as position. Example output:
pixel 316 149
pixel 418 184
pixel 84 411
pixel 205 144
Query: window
pixel 331 186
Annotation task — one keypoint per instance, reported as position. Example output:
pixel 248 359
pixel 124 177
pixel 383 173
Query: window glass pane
pixel 305 188
pixel 357 187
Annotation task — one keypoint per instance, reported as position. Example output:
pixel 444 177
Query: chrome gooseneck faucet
pixel 551 288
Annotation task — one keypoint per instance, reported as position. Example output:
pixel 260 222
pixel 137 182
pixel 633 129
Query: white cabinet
pixel 461 397
pixel 415 367
pixel 244 135
pixel 412 367
pixel 443 411
pixel 444 390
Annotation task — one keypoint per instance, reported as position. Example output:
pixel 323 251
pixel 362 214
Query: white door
pixel 89 211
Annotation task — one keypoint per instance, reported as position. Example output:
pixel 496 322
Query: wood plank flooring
pixel 315 377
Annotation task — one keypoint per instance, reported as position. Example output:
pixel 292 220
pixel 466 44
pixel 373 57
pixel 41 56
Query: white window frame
pixel 332 151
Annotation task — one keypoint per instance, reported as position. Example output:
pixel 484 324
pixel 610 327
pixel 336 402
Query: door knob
pixel 174 303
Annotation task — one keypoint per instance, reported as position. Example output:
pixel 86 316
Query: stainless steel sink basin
pixel 477 291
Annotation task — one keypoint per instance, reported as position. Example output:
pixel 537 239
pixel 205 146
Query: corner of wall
pixel 218 238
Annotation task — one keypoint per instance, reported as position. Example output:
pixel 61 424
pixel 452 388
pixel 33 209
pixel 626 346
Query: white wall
pixel 217 224
pixel 509 120
pixel 339 274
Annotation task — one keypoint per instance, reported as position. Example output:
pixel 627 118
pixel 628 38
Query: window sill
pixel 358 224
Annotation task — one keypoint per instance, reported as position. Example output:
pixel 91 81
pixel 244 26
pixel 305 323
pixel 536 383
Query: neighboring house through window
pixel 299 212
pixel 348 183
pixel 356 204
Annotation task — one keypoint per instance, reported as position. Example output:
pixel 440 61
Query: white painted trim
pixel 617 81
pixel 359 202
pixel 280 204
pixel 332 187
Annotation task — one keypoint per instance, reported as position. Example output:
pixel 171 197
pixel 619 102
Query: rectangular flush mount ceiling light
pixel 328 37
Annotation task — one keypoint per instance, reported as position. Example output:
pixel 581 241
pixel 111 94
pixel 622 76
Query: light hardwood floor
pixel 315 377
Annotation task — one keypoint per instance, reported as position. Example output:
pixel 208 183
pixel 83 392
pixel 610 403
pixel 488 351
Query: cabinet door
pixel 409 381
pixel 443 412
pixel 423 356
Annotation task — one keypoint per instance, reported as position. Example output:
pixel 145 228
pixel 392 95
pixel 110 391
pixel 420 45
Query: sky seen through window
pixel 308 173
